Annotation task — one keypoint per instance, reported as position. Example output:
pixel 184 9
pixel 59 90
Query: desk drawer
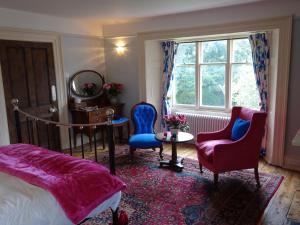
pixel 97 116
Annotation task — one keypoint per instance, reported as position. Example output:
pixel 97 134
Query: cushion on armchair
pixel 206 148
pixel 144 141
pixel 239 129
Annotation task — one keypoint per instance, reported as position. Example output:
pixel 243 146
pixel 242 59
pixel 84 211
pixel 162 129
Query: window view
pixel 219 76
pixel 184 74
pixel 213 72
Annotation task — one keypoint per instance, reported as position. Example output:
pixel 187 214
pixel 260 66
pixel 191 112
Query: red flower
pixel 123 218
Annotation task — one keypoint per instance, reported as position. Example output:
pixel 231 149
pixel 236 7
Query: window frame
pixel 227 79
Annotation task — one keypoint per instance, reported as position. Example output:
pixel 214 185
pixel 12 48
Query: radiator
pixel 205 123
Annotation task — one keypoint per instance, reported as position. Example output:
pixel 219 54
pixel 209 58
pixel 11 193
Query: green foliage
pixel 186 54
pixel 243 86
pixel 214 51
pixel 185 85
pixel 213 85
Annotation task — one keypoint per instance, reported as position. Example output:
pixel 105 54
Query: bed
pixel 39 186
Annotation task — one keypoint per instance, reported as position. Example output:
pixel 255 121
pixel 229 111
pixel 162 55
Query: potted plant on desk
pixel 113 90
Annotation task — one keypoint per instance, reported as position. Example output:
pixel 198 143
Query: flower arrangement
pixel 177 121
pixel 89 88
pixel 113 89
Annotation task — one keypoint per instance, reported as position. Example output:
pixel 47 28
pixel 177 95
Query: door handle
pixel 53 93
pixel 53 109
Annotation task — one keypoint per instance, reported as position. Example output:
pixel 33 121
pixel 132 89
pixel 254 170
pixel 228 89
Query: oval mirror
pixel 87 84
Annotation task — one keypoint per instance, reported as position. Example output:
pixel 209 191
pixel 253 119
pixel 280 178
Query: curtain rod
pixel 222 39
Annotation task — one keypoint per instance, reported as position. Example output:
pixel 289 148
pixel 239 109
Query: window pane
pixel 185 92
pixel 214 51
pixel 186 54
pixel 243 87
pixel 242 51
pixel 213 85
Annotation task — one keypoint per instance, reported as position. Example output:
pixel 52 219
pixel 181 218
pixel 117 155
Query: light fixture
pixel 120 48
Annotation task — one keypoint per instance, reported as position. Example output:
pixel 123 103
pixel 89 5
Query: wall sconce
pixel 120 48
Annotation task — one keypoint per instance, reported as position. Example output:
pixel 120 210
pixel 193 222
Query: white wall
pixel 232 14
pixel 153 68
pixel 34 21
pixel 82 53
pixel 123 69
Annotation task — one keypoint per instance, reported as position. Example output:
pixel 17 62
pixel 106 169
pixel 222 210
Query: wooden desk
pixel 99 115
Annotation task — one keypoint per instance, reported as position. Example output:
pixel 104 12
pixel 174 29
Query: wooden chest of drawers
pixel 81 116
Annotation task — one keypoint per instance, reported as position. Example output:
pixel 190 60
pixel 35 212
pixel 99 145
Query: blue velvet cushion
pixel 239 129
pixel 119 120
pixel 143 117
pixel 144 141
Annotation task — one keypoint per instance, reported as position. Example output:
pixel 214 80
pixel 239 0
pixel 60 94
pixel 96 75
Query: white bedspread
pixel 24 204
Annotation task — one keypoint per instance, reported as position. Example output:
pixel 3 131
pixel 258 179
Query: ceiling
pixel 115 11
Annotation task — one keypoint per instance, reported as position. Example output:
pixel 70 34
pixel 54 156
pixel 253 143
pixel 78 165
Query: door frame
pixel 19 34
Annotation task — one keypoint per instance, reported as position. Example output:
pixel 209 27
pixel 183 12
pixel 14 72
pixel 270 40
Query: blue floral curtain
pixel 261 57
pixel 169 50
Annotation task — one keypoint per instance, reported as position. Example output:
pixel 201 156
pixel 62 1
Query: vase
pixel 113 100
pixel 174 132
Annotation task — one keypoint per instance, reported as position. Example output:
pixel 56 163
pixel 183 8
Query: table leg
pixel 174 152
pixel 174 163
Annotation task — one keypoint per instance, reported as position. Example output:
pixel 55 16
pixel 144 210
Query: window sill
pixel 201 111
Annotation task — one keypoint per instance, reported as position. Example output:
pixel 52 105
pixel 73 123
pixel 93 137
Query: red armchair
pixel 218 153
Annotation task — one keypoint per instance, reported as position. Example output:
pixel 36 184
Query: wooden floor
pixel 278 209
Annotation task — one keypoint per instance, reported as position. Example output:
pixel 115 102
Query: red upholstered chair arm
pixel 222 134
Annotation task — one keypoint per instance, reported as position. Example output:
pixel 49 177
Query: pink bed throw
pixel 78 185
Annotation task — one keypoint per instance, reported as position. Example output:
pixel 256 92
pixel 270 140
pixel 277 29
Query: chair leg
pixel 161 148
pixel 200 166
pixel 216 178
pixel 131 150
pixel 257 177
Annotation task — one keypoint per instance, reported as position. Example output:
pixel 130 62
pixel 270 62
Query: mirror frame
pixel 72 78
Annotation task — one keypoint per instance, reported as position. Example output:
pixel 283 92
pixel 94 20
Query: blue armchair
pixel 144 116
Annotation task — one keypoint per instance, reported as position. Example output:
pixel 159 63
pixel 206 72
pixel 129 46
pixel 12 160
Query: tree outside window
pixel 220 76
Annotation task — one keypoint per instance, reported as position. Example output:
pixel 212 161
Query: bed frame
pixel 32 120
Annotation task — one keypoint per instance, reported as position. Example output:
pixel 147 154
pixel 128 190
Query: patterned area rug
pixel 161 196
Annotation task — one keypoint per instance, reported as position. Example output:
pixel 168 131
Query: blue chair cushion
pixel 144 141
pixel 144 118
pixel 239 129
pixel 119 120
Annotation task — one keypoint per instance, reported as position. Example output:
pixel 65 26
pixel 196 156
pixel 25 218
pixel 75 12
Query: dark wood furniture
pixel 85 116
pixel 175 163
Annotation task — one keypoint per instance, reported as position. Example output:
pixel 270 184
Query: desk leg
pixel 103 137
pixel 120 131
pixel 90 141
pixel 128 131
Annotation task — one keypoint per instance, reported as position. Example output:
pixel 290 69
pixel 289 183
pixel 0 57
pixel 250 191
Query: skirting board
pixel 292 163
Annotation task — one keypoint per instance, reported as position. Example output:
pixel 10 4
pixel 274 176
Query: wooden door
pixel 28 75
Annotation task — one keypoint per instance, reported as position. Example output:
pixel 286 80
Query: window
pixel 214 74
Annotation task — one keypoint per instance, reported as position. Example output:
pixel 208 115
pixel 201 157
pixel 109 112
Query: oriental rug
pixel 156 196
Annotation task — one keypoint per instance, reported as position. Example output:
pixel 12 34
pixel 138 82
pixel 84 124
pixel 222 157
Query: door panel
pixel 28 74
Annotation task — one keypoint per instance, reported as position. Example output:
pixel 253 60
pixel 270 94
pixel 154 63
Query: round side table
pixel 175 163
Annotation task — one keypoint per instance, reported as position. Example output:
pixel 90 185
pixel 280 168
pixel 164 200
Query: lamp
pixel 120 48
